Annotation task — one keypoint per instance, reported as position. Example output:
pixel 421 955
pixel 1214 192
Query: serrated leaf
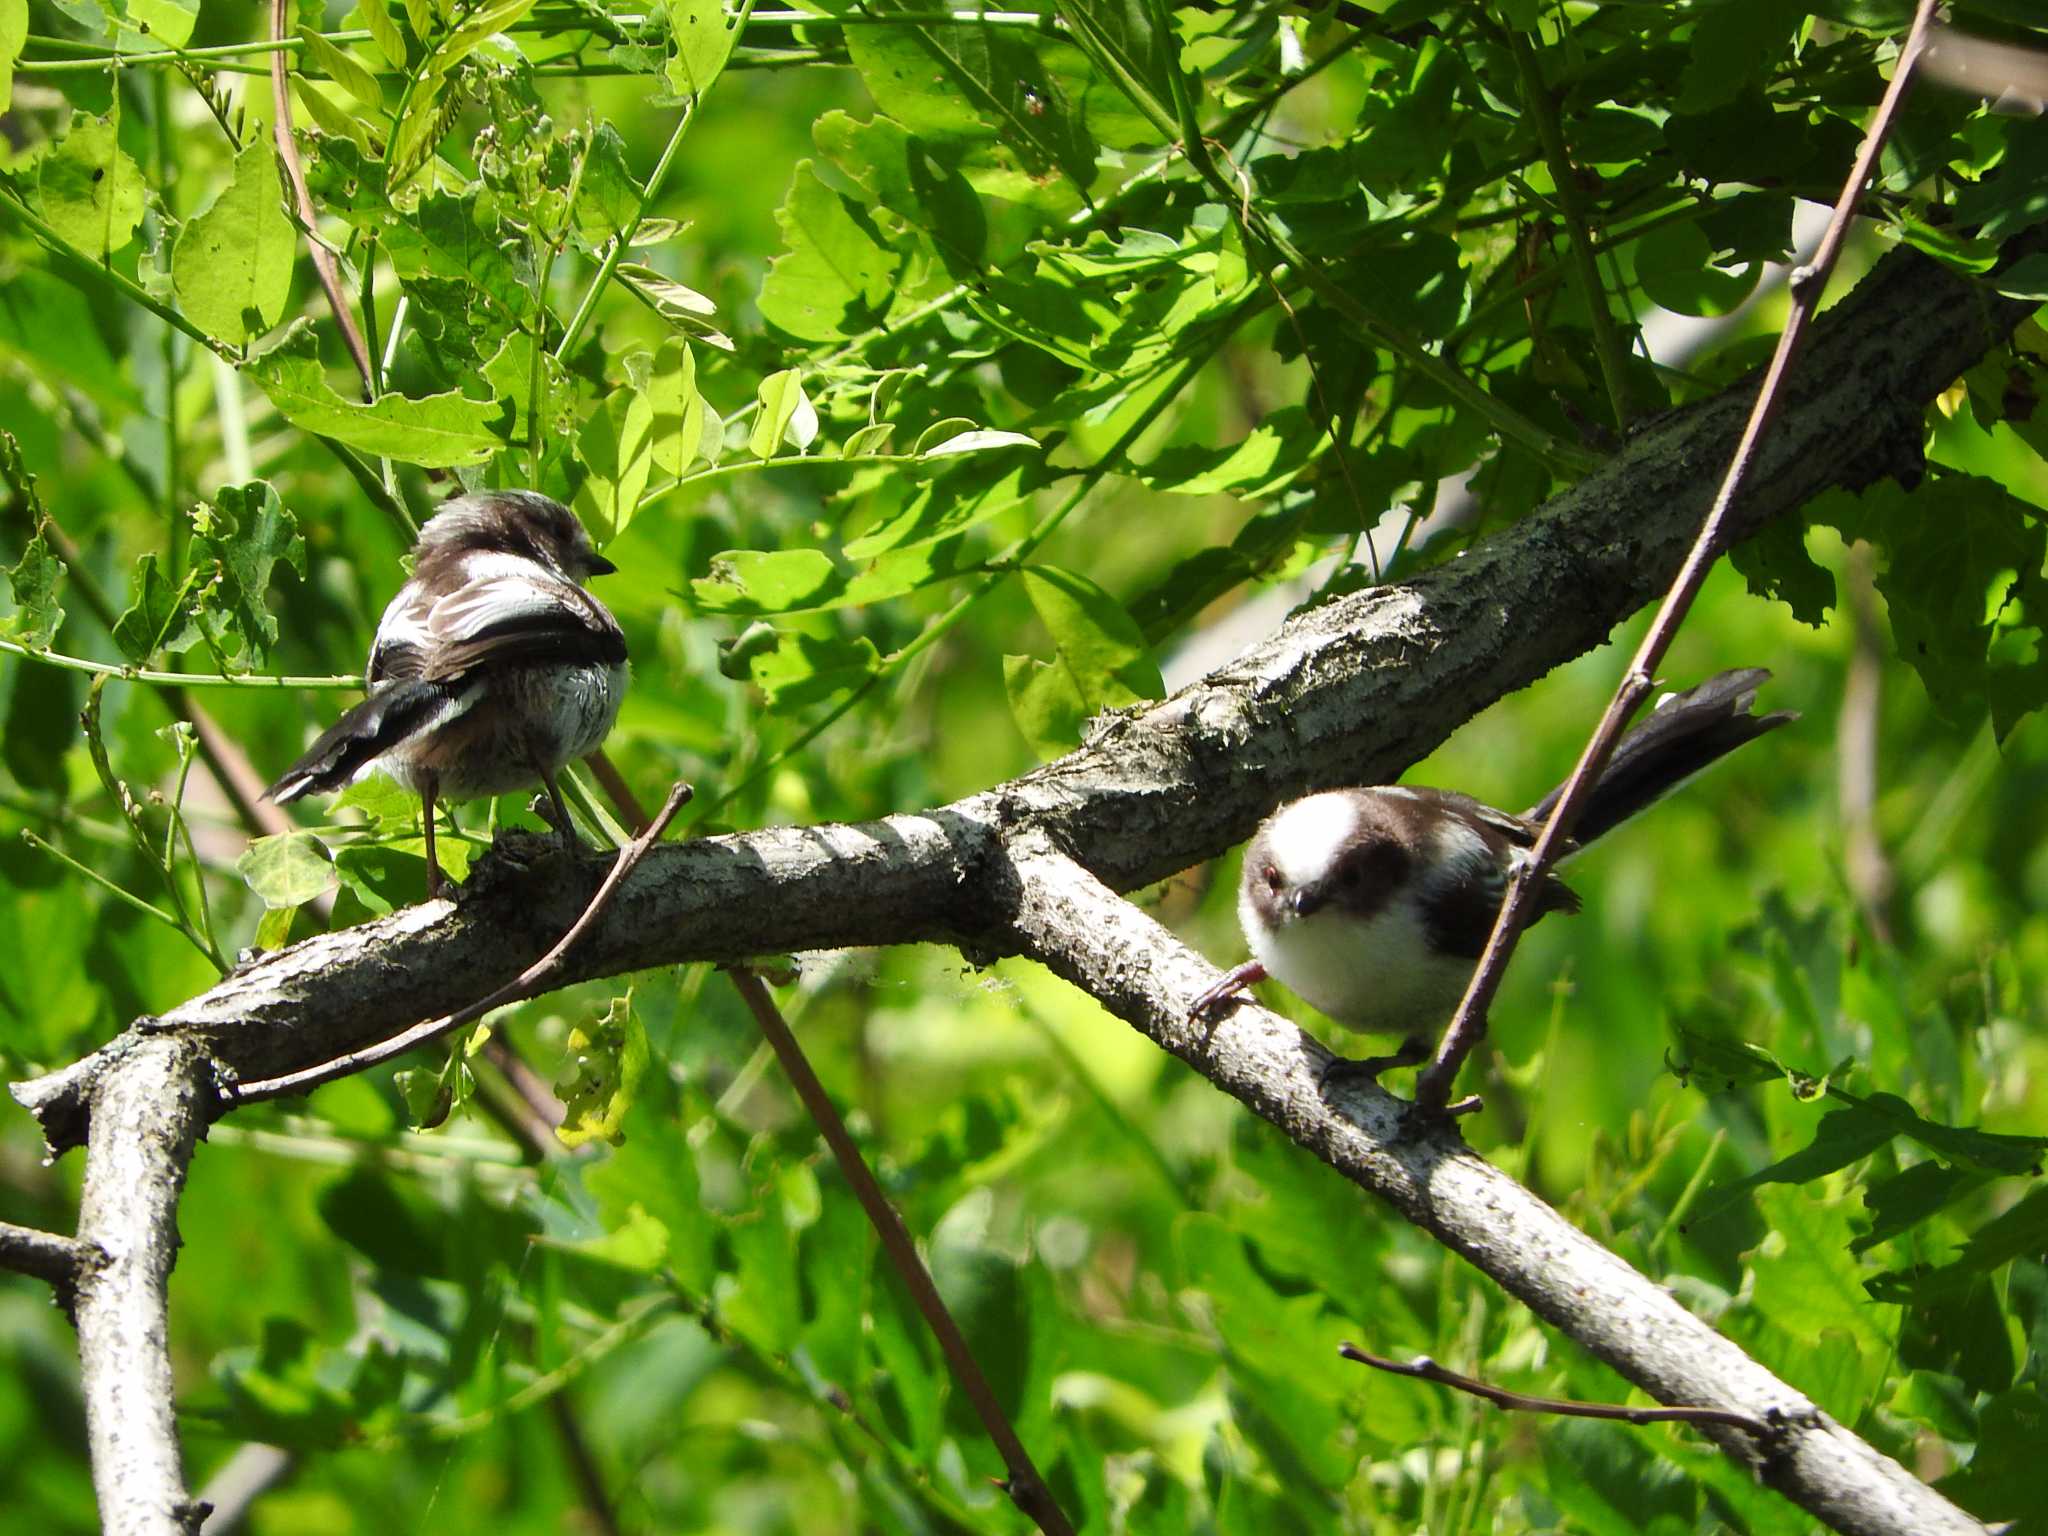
pixel 288 870
pixel 608 1059
pixel 246 530
pixel 786 412
pixel 157 618
pixel 92 193
pixel 434 432
pixel 232 265
pixel 33 578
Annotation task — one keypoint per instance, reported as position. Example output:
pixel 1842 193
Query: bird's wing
pixel 518 619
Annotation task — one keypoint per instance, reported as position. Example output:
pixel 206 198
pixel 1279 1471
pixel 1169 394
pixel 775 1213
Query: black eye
pixel 1272 878
pixel 1351 876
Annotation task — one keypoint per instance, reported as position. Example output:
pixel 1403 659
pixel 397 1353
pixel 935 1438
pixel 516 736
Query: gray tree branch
pixel 1350 693
pixel 1076 926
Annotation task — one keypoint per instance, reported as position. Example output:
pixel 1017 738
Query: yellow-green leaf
pixel 91 191
pixel 344 68
pixel 232 266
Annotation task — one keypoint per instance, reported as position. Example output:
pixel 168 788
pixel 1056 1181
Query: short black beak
pixel 1307 900
pixel 597 565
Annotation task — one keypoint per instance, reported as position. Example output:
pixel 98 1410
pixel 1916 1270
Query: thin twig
pixel 525 984
pixel 1422 1368
pixel 48 1256
pixel 1468 1027
pixel 1027 1490
pixel 302 199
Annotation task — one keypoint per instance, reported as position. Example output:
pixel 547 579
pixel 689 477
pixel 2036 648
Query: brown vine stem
pixel 1027 1490
pixel 1468 1026
pixel 533 979
pixel 1025 1487
pixel 1422 1368
pixel 302 199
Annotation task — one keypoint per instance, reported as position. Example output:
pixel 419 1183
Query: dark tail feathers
pixel 1686 733
pixel 372 728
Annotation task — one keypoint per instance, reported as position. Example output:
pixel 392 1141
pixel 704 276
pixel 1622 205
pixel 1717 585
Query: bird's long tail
pixel 1687 732
pixel 382 721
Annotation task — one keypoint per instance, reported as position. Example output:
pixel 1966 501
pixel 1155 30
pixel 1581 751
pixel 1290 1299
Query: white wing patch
pixel 481 605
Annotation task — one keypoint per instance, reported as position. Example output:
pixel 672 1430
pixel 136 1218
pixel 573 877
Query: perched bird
pixel 1374 904
pixel 491 668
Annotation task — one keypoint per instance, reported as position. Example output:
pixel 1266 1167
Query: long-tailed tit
pixel 491 669
pixel 1374 904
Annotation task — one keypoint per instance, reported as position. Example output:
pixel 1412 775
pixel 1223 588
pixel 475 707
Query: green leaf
pixel 157 617
pixel 1903 1201
pixel 35 576
pixel 1776 565
pixel 980 440
pixel 684 308
pixel 786 412
pixel 13 33
pixel 1099 647
pixel 232 266
pixel 797 670
pixel 616 446
pixel 1962 579
pixel 753 582
pixel 836 278
pixel 607 197
pixel 677 429
pixel 1675 266
pixel 168 22
pixel 344 69
pixel 1045 703
pixel 436 432
pixel 92 193
pixel 288 870
pixel 1733 44
pixel 704 40
pixel 910 179
pixel 609 1058
pixel 247 530
pixel 967 495
pixel 383 29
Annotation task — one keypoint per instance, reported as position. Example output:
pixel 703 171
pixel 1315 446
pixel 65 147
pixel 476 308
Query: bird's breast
pixel 1377 974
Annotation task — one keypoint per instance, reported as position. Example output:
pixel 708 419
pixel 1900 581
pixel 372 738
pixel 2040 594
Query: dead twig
pixel 1422 1368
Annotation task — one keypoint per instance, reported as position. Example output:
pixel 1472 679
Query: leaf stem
pixel 163 679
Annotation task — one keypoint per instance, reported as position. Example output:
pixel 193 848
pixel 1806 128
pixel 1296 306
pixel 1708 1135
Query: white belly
pixel 1377 975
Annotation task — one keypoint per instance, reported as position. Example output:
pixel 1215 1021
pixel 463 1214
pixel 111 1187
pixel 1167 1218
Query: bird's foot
pixel 1367 1069
pixel 1207 1007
